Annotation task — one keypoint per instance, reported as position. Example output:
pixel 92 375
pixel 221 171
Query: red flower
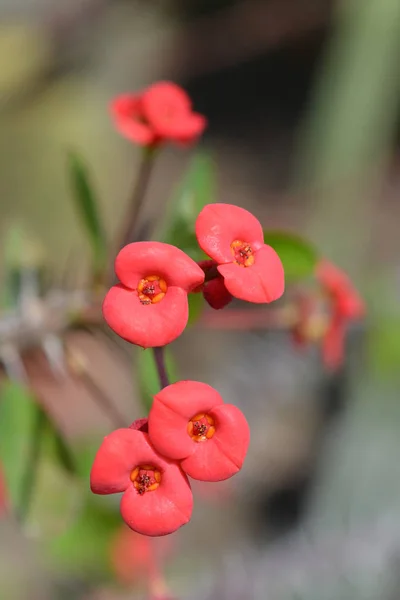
pixel 161 113
pixel 190 422
pixel 150 306
pixel 234 238
pixel 134 557
pixel 345 305
pixel 157 497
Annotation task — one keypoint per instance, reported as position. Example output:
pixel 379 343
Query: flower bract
pixel 190 422
pixel 157 498
pixel 160 113
pixel 150 306
pixel 234 238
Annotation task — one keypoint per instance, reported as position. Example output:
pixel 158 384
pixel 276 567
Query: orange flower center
pixel 145 478
pixel 152 289
pixel 315 327
pixel 243 253
pixel 201 427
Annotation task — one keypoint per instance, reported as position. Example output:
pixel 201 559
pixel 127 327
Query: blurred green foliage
pixel 197 189
pixel 87 206
pixel 147 375
pixel 84 548
pixel 27 436
pixel 298 256
pixel 21 421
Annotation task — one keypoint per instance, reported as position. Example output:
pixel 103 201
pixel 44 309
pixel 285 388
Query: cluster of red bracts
pixel 324 317
pixel 159 114
pixel 191 432
pixel 150 307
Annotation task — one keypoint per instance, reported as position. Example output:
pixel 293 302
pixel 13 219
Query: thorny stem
pixel 159 358
pixel 127 233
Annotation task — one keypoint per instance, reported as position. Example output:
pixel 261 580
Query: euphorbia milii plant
pixel 190 431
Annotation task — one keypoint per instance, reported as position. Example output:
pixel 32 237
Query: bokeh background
pixel 302 98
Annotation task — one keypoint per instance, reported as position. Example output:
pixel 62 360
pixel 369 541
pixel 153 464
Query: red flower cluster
pixel 190 432
pixel 150 308
pixel 326 318
pixel 161 113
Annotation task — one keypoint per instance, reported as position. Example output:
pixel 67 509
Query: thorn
pixel 13 364
pixel 53 349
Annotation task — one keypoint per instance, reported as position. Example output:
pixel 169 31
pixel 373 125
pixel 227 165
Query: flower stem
pixel 159 358
pixel 129 225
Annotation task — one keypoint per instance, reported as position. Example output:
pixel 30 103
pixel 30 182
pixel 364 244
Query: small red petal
pixel 206 265
pixel 223 455
pixel 163 510
pixel 172 409
pixel 120 452
pixel 333 344
pixel 216 294
pixel 146 325
pixel 140 425
pixel 128 116
pixel 184 130
pixel 218 225
pixel 263 282
pixel 335 281
pixel 142 259
pixel 163 97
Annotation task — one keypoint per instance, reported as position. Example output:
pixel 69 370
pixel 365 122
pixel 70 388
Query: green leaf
pixel 147 376
pixel 197 189
pixel 88 208
pixel 298 256
pixel 21 424
pixel 27 437
pixel 57 447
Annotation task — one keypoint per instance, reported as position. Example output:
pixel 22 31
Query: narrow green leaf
pixel 22 260
pixel 88 209
pixel 298 256
pixel 147 376
pixel 21 424
pixel 57 447
pixel 197 189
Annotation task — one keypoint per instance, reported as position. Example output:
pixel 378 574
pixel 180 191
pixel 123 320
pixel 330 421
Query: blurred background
pixel 302 98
